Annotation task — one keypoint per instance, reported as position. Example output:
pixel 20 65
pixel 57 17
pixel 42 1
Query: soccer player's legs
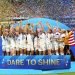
pixel 66 49
pixel 7 49
pixel 56 47
pixel 28 49
pixel 40 52
pixel 31 49
pixel 36 51
pixel 43 49
pixel 36 46
pixel 17 50
pixel 32 52
pixel 13 52
pixel 24 50
pixel 24 47
pixel 49 48
pixel 61 46
pixel 21 49
pixel 3 50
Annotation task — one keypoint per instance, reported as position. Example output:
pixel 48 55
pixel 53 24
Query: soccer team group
pixel 27 41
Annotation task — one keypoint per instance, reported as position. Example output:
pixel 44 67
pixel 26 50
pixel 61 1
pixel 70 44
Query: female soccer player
pixel 12 41
pixel 42 40
pixel 56 36
pixel 61 42
pixel 49 37
pixel 30 48
pixel 17 40
pixel 24 41
pixel 36 42
pixel 7 42
pixel 3 42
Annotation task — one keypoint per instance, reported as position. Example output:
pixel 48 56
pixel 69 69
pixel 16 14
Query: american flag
pixel 71 38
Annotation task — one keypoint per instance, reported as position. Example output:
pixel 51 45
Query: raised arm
pixel 48 25
pixel 42 27
pixel 32 28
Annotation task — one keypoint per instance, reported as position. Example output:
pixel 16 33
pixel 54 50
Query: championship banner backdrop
pixel 35 62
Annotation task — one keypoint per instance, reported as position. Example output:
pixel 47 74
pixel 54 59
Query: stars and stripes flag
pixel 71 38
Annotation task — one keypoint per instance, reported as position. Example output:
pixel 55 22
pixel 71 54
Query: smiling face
pixel 6 31
pixel 54 30
pixel 59 30
pixel 11 33
pixel 39 30
pixel 50 31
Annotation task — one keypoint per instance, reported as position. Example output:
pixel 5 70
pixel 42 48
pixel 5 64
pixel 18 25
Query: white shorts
pixel 21 46
pixel 35 45
pixel 61 45
pixel 42 47
pixel 39 49
pixel 3 48
pixel 30 47
pixel 55 45
pixel 7 48
pixel 24 46
pixel 49 46
pixel 12 46
pixel 36 48
pixel 17 47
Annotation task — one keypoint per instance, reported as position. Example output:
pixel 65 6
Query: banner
pixel 40 62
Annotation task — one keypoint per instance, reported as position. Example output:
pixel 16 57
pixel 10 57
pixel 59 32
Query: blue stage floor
pixel 31 71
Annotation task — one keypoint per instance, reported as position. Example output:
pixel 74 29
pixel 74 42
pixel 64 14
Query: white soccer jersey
pixel 29 38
